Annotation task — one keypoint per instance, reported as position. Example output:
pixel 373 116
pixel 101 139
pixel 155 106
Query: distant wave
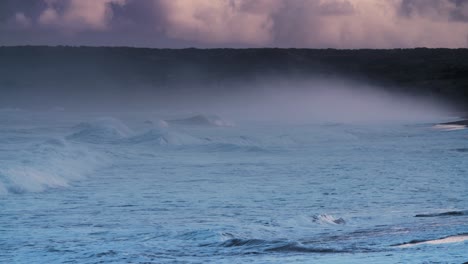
pixel 437 241
pixel 157 123
pixel 10 110
pixel 450 126
pixel 462 150
pixel 165 137
pixel 283 246
pixel 300 248
pixel 50 164
pixel 201 120
pixel 449 213
pixel 101 130
pixel 175 138
pixel 160 133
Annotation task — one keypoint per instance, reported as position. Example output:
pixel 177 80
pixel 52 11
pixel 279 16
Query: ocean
pixel 144 187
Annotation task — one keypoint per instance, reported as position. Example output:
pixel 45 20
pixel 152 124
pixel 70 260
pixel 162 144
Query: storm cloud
pixel 237 23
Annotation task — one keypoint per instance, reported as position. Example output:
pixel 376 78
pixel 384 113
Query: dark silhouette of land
pixel 34 74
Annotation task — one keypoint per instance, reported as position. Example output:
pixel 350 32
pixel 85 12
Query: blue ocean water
pixel 131 188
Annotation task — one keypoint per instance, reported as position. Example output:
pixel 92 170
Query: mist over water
pixel 301 100
pixel 330 101
pixel 276 170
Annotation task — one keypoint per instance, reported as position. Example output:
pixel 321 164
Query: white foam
pixel 445 240
pixel 53 163
pixel 327 219
pixel 449 127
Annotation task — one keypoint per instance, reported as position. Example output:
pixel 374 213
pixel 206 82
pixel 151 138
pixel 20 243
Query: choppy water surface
pixel 86 188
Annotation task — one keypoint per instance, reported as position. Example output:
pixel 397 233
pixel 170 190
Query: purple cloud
pixel 238 23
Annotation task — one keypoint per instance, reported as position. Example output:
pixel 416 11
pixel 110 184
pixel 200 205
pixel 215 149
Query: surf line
pixel 439 241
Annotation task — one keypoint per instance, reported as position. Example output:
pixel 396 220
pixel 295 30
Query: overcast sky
pixel 236 23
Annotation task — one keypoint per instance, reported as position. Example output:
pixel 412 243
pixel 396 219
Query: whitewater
pixel 145 187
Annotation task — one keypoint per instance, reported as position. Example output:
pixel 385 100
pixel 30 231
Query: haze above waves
pixel 276 169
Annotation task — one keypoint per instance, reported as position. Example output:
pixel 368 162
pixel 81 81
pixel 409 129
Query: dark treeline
pixel 36 74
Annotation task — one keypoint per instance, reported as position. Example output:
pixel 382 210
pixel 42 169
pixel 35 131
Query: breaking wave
pixel 162 133
pixel 174 138
pixel 101 130
pixel 328 219
pixel 52 163
pixel 449 127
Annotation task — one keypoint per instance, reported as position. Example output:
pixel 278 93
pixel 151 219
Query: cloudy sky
pixel 236 23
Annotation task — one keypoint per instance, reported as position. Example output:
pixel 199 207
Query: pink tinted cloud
pixel 318 23
pixel 221 21
pixel 270 23
pixel 78 15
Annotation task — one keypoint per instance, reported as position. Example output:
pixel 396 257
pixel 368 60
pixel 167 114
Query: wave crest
pixel 328 219
pixel 448 213
pixel 52 163
pixel 165 137
pixel 101 130
pixel 284 246
pixel 201 120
